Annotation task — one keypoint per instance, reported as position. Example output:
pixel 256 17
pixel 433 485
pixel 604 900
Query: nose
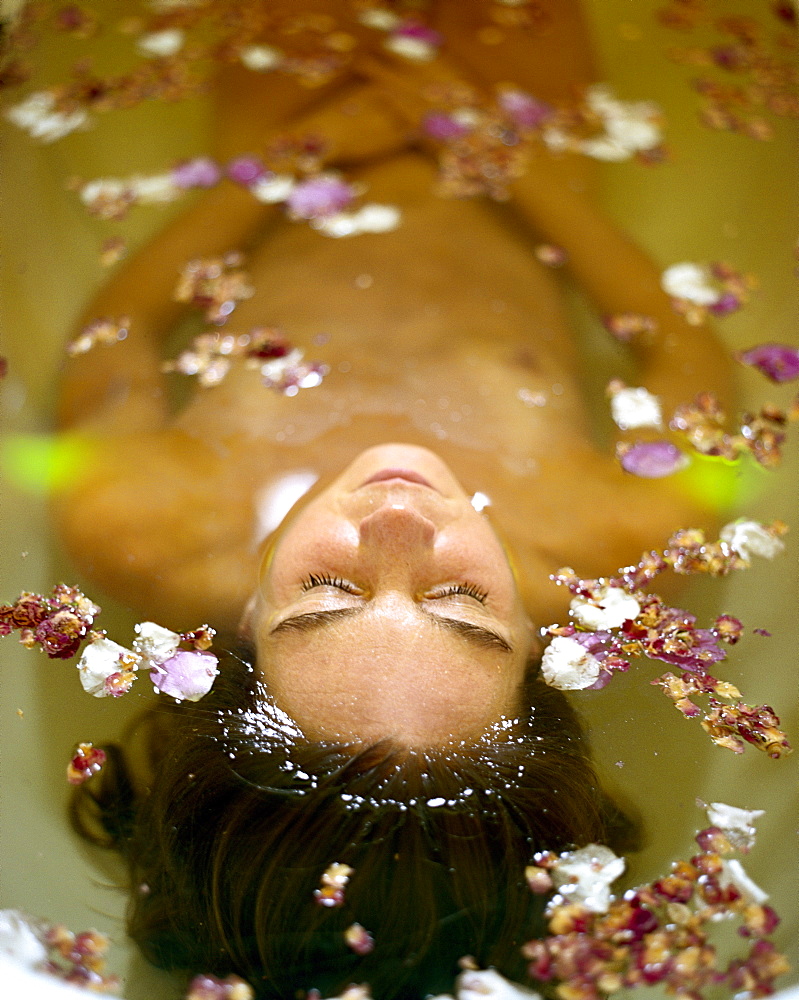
pixel 397 527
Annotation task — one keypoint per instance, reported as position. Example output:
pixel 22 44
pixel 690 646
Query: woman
pixel 392 720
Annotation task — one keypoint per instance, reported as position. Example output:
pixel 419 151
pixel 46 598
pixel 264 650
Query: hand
pixel 413 89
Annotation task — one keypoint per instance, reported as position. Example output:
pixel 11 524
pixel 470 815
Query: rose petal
pixel 750 538
pixel 319 196
pixel 100 660
pixel 568 666
pixel 186 676
pixel 632 408
pixel 610 609
pixel 652 459
pixel 779 362
pixel 691 282
pixel 201 172
pixel 154 642
pixel 585 876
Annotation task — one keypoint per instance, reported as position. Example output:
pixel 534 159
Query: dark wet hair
pixel 228 838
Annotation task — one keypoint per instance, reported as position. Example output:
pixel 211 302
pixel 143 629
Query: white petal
pixel 154 189
pixel 691 282
pixel 103 187
pixel 733 873
pixel 154 642
pixel 161 43
pixel 99 660
pixel 635 407
pixel 610 609
pixel 411 48
pixel 273 189
pixel 260 57
pixel 374 218
pixel 382 20
pixel 477 984
pixel 567 666
pixel 750 538
pixel 19 939
pixel 585 876
pixel 605 148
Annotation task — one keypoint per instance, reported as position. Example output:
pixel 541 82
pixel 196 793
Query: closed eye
pixel 329 581
pixel 470 589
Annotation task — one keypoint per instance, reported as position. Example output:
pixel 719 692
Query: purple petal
pixel 779 362
pixel 246 170
pixel 524 109
pixel 726 304
pixel 420 32
pixel 318 197
pixel 186 675
pixel 439 125
pixel 201 172
pixel 652 459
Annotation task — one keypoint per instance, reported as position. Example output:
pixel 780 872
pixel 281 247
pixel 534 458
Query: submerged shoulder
pixel 147 517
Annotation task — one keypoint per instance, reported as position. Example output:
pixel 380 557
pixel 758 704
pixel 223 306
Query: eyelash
pixel 328 581
pixel 470 589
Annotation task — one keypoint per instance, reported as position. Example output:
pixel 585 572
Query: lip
pixel 406 475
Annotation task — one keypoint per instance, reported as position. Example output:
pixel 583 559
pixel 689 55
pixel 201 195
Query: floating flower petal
pixel 154 643
pixel 633 408
pixel 568 666
pixel 38 117
pixel 186 676
pixel 691 282
pixel 750 538
pixel 201 172
pixel 779 362
pixel 611 608
pixel 319 196
pixel 359 940
pixel 585 876
pixel 333 883
pixel 738 824
pixel 101 660
pixel 733 874
pixel 371 218
pixel 161 44
pixel 651 459
pixel 87 762
pixel 260 58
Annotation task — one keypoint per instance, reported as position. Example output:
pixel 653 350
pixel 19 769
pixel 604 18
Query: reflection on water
pixel 722 197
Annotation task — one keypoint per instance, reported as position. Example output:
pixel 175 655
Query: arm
pixel 680 360
pixel 120 388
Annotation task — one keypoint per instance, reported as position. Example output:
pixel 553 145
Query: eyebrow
pixel 478 635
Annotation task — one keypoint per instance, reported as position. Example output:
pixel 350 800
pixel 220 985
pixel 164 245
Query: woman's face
pixel 387 607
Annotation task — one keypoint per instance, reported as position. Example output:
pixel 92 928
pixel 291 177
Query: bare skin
pixel 446 334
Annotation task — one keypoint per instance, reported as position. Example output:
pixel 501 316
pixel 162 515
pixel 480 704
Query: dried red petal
pixel 88 760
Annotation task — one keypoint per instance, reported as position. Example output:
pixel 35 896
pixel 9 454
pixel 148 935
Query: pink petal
pixel 439 125
pixel 652 459
pixel 201 172
pixel 319 196
pixel 779 362
pixel 186 675
pixel 420 32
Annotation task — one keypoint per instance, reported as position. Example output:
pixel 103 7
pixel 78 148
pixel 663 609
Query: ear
pixel 247 623
pixel 536 640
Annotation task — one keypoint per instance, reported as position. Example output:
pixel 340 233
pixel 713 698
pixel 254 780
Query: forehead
pixel 370 678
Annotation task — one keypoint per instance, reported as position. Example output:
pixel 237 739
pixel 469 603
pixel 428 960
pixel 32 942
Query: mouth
pixel 405 475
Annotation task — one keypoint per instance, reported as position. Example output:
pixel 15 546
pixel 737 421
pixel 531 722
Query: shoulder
pixel 148 518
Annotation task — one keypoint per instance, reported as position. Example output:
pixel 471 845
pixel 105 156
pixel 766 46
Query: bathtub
pixel 724 197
